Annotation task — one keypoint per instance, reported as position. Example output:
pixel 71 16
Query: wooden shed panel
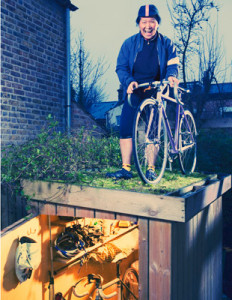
pixel 84 213
pixel 34 207
pixel 143 259
pixel 214 250
pixel 126 217
pixel 174 259
pixel 180 259
pixel 191 279
pixel 104 215
pixel 196 256
pixel 209 254
pixel 159 260
pixel 47 209
pixel 62 210
pixel 196 251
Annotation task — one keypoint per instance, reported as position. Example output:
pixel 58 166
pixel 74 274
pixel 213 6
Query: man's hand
pixel 173 80
pixel 133 85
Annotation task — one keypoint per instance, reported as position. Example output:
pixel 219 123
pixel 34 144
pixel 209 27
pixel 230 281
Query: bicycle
pixel 91 286
pixel 152 131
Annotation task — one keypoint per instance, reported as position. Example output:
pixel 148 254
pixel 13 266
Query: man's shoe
pixel 121 174
pixel 151 175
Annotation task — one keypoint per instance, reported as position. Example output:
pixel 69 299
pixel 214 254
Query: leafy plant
pixel 58 156
pixel 84 157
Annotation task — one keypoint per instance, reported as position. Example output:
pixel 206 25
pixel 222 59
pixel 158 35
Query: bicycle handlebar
pixel 156 84
pixel 104 296
pixel 79 295
pixel 98 282
pixel 97 279
pixel 153 84
pixel 149 85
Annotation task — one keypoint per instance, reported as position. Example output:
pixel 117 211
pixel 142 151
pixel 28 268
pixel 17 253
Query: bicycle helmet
pixel 148 11
pixel 27 258
pixel 68 244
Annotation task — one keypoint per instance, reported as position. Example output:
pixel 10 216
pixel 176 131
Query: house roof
pixel 99 110
pixel 224 88
pixel 221 88
pixel 67 4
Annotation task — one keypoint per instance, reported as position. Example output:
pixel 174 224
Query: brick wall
pixel 81 119
pixel 33 62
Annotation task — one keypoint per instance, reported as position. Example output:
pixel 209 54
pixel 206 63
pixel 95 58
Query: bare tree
pixel 188 18
pixel 212 70
pixel 211 57
pixel 87 75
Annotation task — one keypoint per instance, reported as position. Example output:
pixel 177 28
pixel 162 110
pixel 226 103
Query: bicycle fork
pixel 151 120
pixel 153 136
pixel 191 143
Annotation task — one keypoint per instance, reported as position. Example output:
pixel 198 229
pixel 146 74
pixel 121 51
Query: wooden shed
pixel 179 239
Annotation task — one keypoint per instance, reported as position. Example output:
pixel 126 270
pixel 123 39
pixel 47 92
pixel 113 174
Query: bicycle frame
pixel 99 288
pixel 174 141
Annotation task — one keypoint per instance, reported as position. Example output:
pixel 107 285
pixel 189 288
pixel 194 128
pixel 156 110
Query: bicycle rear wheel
pixel 131 280
pixel 149 140
pixel 187 143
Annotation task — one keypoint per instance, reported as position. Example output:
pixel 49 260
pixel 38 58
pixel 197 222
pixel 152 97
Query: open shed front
pixel 177 239
pixel 67 272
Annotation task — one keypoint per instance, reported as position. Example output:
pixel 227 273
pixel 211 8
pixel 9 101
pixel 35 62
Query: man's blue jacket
pixel 167 56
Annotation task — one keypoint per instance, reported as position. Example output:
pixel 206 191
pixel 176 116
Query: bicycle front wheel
pixel 187 143
pixel 149 140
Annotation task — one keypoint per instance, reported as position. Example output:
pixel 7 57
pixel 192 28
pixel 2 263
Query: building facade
pixel 34 66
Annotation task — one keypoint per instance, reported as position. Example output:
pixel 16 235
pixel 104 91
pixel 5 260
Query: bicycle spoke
pixel 187 143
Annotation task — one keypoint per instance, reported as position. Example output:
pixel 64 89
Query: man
pixel 145 57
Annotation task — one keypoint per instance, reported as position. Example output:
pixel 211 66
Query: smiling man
pixel 145 57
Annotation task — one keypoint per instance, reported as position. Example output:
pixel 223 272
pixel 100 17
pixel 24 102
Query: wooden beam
pixel 171 207
pixel 205 195
pixel 113 201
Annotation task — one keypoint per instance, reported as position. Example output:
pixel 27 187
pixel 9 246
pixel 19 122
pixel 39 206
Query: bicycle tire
pixel 145 144
pixel 131 280
pixel 187 157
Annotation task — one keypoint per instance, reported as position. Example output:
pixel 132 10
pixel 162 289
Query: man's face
pixel 148 27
